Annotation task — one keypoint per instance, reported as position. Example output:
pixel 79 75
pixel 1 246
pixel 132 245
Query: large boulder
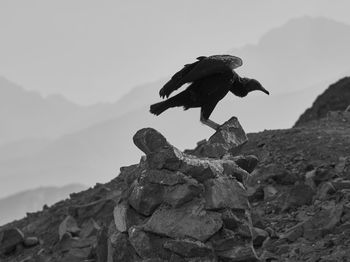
pixel 225 192
pixel 229 138
pixel 9 239
pixel 190 220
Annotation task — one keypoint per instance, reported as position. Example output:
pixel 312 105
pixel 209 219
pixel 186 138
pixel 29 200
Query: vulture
pixel 210 79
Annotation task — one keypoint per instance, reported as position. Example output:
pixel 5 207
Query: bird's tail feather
pixel 159 108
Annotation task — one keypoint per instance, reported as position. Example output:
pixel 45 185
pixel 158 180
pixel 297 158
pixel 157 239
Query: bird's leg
pixel 209 123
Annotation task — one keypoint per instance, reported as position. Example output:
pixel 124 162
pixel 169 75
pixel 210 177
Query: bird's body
pixel 211 79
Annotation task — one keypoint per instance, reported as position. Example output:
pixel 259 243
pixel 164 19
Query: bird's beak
pixel 264 90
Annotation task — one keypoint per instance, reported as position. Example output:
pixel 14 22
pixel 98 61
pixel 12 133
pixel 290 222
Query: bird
pixel 210 78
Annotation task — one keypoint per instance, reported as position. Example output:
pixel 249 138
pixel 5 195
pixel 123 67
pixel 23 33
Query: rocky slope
pixel 336 97
pixel 17 205
pixel 283 195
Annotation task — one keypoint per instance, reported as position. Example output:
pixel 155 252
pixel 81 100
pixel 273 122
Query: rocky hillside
pixel 17 205
pixel 278 195
pixel 336 97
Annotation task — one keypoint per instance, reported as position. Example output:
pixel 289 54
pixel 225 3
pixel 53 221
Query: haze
pixel 77 78
pixel 93 51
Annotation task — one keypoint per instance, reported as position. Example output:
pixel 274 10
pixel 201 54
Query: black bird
pixel 211 79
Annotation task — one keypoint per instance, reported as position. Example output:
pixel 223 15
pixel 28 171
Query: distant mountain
pixel 16 206
pixel 26 115
pixel 298 54
pixel 335 98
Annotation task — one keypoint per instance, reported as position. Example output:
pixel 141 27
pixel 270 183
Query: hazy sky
pixel 96 50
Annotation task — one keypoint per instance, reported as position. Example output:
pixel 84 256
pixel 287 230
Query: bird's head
pixel 252 85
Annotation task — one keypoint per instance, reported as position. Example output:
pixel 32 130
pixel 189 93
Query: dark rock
pixel 190 220
pixel 259 236
pixel 298 195
pixel 148 245
pixel 247 163
pixel 100 210
pixel 102 245
pixel 324 190
pixel 230 220
pixel 146 197
pixel 120 249
pixel 68 225
pixel 324 173
pixel 31 241
pixel 179 194
pixel 149 140
pixel 126 217
pixel 243 253
pixel 293 233
pixel 276 172
pixel 164 177
pixel 229 138
pixel 89 228
pixel 225 193
pixel 343 166
pixel 341 184
pixel 323 222
pixel 77 254
pixel 225 239
pixel 9 239
pixel 188 248
pixel 130 173
pixel 68 242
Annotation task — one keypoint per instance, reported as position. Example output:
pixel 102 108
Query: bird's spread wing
pixel 205 66
pixel 176 81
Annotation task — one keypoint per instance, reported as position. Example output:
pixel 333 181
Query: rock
pixel 68 225
pixel 100 210
pixel 276 172
pixel 259 236
pixel 31 241
pixel 225 239
pixel 269 192
pixel 148 245
pixel 126 217
pixel 324 190
pixel 130 173
pixel 229 138
pixel 298 195
pixel 9 239
pixel 324 173
pixel 225 193
pixel 164 177
pixel 188 248
pixel 204 169
pixel 68 242
pixel 179 194
pixel 323 222
pixel 190 220
pixel 146 197
pixel 247 163
pixel 293 233
pixel 340 184
pixel 89 228
pixel 343 166
pixel 77 254
pixel 243 253
pixel 149 141
pixel 102 245
pixel 120 249
pixel 230 220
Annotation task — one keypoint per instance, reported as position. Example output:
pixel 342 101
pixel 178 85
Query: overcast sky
pixel 96 50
